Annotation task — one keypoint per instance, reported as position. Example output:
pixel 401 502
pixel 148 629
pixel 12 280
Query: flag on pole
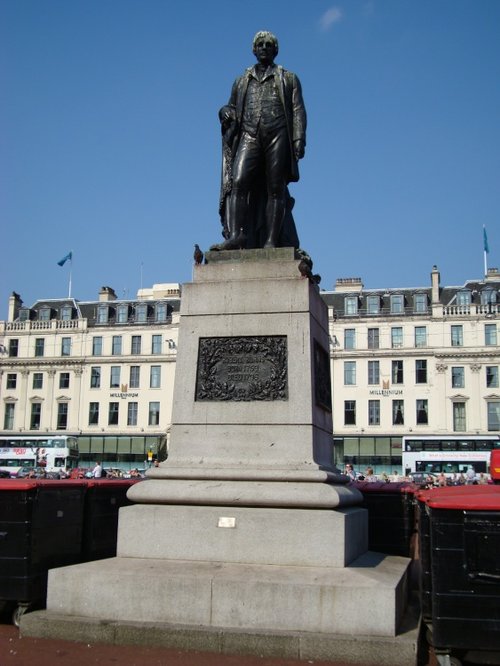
pixel 485 240
pixel 65 259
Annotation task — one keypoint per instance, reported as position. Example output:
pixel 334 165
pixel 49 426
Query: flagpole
pixel 70 272
pixel 485 251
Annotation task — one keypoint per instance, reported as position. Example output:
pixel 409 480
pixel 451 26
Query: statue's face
pixel 265 51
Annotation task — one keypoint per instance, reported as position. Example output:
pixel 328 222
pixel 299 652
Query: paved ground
pixel 16 651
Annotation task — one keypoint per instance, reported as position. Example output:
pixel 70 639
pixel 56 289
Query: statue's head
pixel 265 36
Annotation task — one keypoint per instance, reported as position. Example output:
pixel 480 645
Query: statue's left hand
pixel 298 149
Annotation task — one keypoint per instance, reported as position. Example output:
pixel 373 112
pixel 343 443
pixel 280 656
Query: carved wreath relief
pixel 242 368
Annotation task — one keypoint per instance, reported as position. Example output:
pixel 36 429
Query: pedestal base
pixel 366 598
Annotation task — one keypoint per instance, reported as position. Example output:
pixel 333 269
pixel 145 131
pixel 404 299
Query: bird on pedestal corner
pixel 305 270
pixel 198 255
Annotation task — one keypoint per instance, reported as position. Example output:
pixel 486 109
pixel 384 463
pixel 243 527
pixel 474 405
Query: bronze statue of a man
pixel 264 136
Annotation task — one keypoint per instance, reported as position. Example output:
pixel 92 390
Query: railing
pixel 473 309
pixel 52 325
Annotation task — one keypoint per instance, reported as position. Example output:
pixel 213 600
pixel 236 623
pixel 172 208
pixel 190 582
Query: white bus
pixel 451 454
pixel 51 453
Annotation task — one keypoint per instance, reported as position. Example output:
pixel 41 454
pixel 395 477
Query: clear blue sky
pixel 110 144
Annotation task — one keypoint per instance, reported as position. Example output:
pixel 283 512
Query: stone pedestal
pixel 247 525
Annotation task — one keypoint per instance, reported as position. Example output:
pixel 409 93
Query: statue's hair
pixel 267 35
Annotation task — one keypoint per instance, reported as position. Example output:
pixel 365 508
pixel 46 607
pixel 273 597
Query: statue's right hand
pixel 226 115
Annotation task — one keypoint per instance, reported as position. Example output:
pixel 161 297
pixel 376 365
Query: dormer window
pixel 44 314
pixel 67 313
pixel 141 313
pixel 463 297
pixel 373 304
pixel 420 303
pixel 161 312
pixel 351 305
pixel 397 304
pixel 102 314
pixel 488 297
pixel 122 314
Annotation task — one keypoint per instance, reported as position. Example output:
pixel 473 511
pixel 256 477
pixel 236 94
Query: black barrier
pixel 460 537
pixel 45 524
pixel 391 516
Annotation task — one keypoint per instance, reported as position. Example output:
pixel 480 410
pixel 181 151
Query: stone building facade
pixel 103 370
pixel 420 361
pixel 403 361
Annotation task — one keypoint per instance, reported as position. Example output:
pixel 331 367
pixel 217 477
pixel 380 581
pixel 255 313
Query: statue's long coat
pixel 290 92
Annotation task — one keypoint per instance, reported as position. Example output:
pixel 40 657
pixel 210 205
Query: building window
pixel 154 414
pixel 38 380
pixel 44 314
pixel 373 412
pixel 116 348
pixel 102 314
pixel 135 373
pixel 94 413
pixel 463 297
pixel 493 416
pixel 373 372
pixel 161 312
pixel 11 380
pixel 351 305
pixel 135 347
pixel 373 338
pixel 156 344
pixel 349 412
pixel 349 373
pixel 67 313
pixel 122 314
pixel 8 419
pixel 488 297
pixel 36 415
pixel 492 376
pixel 155 376
pixel 114 379
pixel 457 377
pixel 420 336
pixel 95 377
pixel 397 372
pixel 62 416
pixel 420 303
pixel 141 314
pixel 113 413
pixel 422 412
pixel 457 336
pixel 490 334
pixel 350 338
pixel 66 347
pixel 396 337
pixel 397 304
pixel 421 371
pixel 132 410
pixel 64 380
pixel 373 305
pixel 97 345
pixel 459 417
pixel 398 412
pixel 13 347
pixel 39 346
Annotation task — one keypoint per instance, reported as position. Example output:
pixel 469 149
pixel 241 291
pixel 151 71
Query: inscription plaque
pixel 242 368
